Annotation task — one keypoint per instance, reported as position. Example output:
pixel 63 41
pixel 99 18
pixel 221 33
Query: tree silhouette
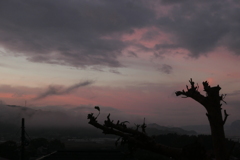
pixel 212 103
pixel 139 139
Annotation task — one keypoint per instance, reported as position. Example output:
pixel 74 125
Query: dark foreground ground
pixel 102 148
pixel 105 150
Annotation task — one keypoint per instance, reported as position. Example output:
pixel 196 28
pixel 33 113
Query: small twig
pixel 225 116
pixel 222 97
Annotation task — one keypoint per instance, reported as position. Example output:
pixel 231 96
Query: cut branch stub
pixel 206 86
pixel 92 118
pixel 190 91
pixel 97 108
pixel 193 93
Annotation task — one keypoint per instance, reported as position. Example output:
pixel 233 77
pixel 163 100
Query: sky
pixel 129 57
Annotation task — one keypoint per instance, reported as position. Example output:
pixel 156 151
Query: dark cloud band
pixel 58 90
pixel 88 33
pixel 70 32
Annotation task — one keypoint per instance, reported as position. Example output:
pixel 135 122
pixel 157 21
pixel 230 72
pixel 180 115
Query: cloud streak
pixel 58 90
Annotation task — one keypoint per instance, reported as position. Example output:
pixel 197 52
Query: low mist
pixel 56 121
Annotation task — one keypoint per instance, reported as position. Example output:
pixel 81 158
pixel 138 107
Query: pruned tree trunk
pixel 212 103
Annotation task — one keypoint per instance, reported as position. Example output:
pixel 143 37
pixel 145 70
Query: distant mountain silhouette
pixel 233 129
pixel 200 129
pixel 230 130
pixel 235 125
pixel 155 129
pixel 44 123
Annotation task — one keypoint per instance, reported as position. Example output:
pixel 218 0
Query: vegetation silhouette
pixel 139 139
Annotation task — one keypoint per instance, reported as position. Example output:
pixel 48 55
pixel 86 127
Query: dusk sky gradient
pixel 126 56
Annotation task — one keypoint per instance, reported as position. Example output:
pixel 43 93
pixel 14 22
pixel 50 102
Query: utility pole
pixel 22 140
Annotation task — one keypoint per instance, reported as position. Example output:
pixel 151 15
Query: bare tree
pixel 139 139
pixel 212 103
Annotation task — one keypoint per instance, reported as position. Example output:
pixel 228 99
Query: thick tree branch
pixel 193 93
pixel 123 128
pixel 136 138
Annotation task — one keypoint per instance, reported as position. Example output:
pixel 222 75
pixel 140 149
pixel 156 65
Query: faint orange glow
pixel 210 81
pixel 6 95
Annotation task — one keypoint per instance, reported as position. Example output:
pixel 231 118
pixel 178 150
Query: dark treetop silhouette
pixel 139 139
